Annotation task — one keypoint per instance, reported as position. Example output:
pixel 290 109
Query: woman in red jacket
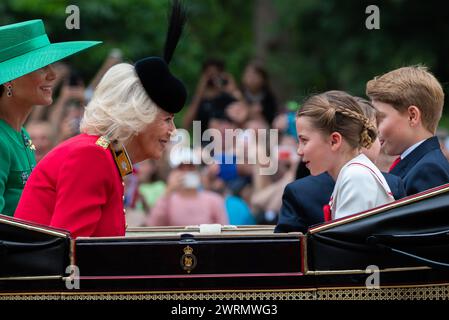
pixel 78 186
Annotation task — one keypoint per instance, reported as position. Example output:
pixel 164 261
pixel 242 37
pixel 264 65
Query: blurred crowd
pixel 180 189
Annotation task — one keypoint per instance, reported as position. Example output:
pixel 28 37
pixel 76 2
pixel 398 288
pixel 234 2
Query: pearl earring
pixel 9 90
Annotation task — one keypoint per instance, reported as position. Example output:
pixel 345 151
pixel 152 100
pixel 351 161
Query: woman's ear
pixel 414 116
pixel 335 140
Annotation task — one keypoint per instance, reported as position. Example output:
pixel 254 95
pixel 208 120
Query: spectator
pixel 42 136
pixel 266 200
pixel 66 113
pixel 443 138
pixel 237 208
pixel 286 122
pixel 114 57
pixel 216 89
pixel 257 92
pixel 238 112
pixel 142 189
pixel 184 203
pixel 151 187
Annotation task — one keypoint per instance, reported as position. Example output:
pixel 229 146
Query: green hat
pixel 24 48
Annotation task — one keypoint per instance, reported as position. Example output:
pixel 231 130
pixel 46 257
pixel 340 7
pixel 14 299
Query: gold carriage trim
pixel 423 292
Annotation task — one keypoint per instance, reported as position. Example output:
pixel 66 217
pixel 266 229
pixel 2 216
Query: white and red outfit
pixel 360 186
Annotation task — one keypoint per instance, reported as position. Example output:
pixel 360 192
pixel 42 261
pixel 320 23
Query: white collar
pixel 361 158
pixel 410 149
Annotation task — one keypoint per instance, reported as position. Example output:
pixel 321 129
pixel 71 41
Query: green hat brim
pixel 31 61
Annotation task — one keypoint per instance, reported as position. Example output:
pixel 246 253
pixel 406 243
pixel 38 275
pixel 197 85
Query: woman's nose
pixel 172 130
pixel 172 126
pixel 51 74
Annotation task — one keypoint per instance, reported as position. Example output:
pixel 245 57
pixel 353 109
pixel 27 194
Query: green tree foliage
pixel 215 29
pixel 315 45
pixel 329 47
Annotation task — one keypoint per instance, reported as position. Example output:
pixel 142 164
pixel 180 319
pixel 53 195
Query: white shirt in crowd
pixel 360 186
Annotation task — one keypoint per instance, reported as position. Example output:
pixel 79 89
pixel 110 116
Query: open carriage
pixel 397 251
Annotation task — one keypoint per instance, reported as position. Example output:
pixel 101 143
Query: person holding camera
pixel 215 91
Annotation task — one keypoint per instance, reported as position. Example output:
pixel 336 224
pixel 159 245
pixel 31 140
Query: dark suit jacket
pixel 424 168
pixel 303 201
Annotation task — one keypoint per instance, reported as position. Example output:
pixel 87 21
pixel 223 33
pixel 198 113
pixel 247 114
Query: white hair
pixel 120 107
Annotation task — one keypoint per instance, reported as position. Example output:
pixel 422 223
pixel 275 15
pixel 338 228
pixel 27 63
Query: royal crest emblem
pixel 188 260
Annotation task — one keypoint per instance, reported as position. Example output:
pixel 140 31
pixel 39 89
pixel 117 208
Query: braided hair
pixel 337 111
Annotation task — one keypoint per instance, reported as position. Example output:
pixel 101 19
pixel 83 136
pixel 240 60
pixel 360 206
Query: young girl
pixel 332 130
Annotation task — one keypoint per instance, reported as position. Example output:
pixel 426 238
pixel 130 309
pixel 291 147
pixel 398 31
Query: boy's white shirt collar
pixel 410 149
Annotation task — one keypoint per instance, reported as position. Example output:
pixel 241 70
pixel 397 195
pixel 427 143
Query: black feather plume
pixel 176 24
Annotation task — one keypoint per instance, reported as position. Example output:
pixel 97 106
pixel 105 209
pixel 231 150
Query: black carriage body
pixel 28 250
pixel 410 233
pixel 189 260
pixel 405 242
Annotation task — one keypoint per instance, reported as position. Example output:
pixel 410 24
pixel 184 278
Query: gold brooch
pixel 28 142
pixel 103 142
pixel 31 145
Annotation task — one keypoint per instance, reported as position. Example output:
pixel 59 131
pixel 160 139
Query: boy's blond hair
pixel 410 86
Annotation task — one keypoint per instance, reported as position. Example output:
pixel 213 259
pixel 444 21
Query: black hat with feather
pixel 167 91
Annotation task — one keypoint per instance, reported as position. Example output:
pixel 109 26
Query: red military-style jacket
pixel 76 187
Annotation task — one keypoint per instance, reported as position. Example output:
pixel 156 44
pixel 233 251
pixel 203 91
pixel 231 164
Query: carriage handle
pixel 425 238
pixel 14 247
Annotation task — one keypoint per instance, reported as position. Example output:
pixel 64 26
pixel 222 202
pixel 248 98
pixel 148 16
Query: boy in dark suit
pixel 409 102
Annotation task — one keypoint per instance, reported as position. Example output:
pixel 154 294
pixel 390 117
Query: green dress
pixel 17 160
